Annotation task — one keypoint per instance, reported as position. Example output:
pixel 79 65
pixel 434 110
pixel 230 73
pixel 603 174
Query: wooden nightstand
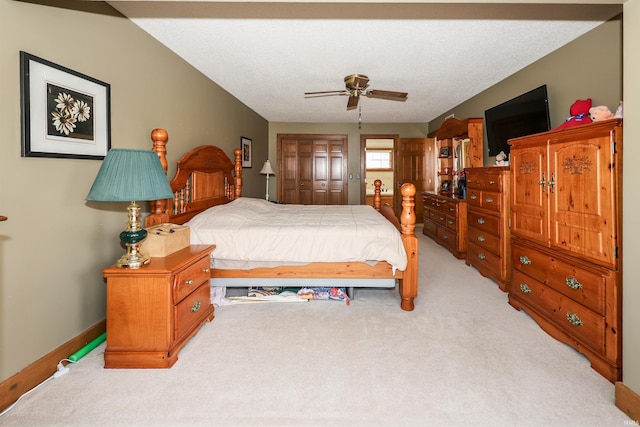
pixel 154 310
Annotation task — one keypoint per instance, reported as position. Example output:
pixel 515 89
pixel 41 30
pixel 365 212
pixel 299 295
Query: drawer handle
pixel 481 255
pixel 481 238
pixel 188 282
pixel 491 182
pixel 206 270
pixel 473 197
pixel 445 237
pixel 573 283
pixel 441 218
pixel 524 288
pixel 429 227
pixel 196 306
pixel 574 319
pixel 524 260
pixel 489 200
pixel 450 222
pixel 480 220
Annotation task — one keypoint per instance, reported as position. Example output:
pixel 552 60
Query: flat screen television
pixel 523 115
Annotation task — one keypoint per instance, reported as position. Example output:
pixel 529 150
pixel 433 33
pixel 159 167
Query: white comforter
pixel 249 230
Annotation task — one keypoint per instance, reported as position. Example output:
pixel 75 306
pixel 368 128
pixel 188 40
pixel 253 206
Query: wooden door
pixel 313 169
pixel 414 163
pixel 581 191
pixel 529 192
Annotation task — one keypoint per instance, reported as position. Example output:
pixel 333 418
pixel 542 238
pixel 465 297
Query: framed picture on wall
pixel 445 186
pixel 247 156
pixel 64 113
pixel 445 151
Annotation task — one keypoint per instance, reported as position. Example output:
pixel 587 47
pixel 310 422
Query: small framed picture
pixel 445 151
pixel 65 113
pixel 247 157
pixel 445 186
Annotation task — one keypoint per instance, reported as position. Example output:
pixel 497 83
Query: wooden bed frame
pixel 206 177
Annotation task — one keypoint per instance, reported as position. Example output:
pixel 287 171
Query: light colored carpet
pixel 463 357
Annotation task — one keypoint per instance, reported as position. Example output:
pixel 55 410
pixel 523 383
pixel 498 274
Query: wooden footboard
pixel 206 177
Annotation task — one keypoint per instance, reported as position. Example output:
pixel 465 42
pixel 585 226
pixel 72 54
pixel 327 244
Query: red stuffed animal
pixel 579 114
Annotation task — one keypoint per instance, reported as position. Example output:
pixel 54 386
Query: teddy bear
pixel 579 114
pixel 599 113
pixel 501 159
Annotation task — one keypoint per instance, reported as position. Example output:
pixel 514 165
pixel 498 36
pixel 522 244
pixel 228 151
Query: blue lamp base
pixel 132 237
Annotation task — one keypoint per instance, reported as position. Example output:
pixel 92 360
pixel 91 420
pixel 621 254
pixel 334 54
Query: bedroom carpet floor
pixel 464 356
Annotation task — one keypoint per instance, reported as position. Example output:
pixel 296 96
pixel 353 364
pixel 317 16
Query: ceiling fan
pixel 357 85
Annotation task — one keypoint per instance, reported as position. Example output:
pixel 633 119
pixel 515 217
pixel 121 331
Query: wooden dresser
pixel 489 245
pixel 154 310
pixel 445 221
pixel 567 237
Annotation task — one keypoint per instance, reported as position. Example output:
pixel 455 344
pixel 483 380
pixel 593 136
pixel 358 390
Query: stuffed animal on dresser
pixel 579 114
pixel 600 113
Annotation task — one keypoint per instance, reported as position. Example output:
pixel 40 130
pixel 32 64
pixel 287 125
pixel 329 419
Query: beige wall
pixel 54 245
pixel 588 67
pixel 631 202
pixel 404 130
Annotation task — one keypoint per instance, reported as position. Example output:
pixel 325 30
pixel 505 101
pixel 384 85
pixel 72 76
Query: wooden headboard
pixel 205 177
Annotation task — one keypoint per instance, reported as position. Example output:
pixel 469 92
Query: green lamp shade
pixel 130 175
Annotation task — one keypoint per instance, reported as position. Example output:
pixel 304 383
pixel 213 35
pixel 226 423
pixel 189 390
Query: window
pixel 379 159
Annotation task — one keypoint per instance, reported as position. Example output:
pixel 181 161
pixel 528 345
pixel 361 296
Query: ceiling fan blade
pixel 352 102
pixel 325 92
pixel 387 94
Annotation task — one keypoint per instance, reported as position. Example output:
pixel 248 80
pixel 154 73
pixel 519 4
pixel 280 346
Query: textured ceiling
pixel 268 54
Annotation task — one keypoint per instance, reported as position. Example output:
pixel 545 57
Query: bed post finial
pixel 377 198
pixel 159 138
pixel 409 283
pixel 158 208
pixel 408 216
pixel 238 172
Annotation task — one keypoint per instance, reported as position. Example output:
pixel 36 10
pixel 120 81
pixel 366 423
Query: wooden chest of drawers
pixel 566 236
pixel 488 201
pixel 445 221
pixel 154 310
pixel 568 298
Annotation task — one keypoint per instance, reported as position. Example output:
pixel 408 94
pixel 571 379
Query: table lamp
pixel 267 170
pixel 129 176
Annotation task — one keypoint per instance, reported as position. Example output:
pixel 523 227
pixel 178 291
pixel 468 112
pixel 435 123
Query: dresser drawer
pixel 429 229
pixel 451 223
pixel 584 286
pixel 484 222
pixel 577 320
pixel 188 279
pixel 447 238
pixel 485 181
pixel 476 255
pixel 484 240
pixel 484 199
pixel 190 310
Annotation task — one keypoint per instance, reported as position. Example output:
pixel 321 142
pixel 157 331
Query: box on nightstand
pixel 165 239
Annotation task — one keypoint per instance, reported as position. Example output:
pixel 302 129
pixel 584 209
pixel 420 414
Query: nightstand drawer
pixel 191 309
pixel 187 280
